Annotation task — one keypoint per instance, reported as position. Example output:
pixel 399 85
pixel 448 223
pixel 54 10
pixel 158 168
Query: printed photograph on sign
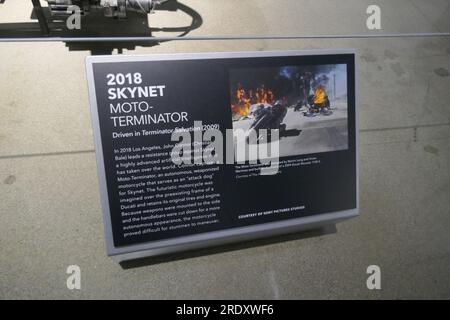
pixel 307 104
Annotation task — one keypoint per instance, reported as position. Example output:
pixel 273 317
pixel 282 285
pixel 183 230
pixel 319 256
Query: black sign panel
pixel 147 109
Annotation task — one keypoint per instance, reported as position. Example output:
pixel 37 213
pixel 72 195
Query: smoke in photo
pixel 308 104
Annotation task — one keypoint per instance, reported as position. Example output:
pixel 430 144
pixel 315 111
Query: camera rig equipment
pixel 110 8
pixel 104 24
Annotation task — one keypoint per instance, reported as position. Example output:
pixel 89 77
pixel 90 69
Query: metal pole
pixel 41 17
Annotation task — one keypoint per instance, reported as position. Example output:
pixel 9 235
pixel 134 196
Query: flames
pixel 242 100
pixel 320 95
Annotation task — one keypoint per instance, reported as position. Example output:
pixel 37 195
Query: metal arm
pixel 41 17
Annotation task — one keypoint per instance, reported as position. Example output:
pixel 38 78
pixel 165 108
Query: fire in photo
pixel 307 104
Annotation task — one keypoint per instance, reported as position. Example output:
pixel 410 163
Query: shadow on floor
pixel 142 262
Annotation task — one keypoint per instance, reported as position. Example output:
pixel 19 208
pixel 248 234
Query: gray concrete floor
pixel 49 200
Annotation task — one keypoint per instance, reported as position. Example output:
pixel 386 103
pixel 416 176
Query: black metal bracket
pixel 41 17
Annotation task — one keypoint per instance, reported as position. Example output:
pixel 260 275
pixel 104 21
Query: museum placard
pixel 195 150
